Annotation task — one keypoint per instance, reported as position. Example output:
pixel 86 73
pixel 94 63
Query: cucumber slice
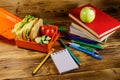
pixel 43 37
pixel 38 40
pixel 48 38
pixel 45 42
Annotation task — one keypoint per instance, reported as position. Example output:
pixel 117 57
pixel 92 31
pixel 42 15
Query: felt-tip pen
pixel 86 51
pixel 84 47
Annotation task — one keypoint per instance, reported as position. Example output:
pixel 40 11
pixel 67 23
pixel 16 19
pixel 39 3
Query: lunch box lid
pixel 7 22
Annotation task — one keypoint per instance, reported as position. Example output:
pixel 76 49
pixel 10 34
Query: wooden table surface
pixel 18 64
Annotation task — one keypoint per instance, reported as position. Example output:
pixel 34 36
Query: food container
pixel 7 22
pixel 39 47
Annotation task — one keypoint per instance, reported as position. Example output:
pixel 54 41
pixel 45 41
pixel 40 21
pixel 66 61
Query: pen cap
pixel 98 57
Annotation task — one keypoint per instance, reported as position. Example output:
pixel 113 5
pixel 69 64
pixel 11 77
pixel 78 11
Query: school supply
pixel 63 61
pixel 86 48
pixel 70 52
pixel 74 37
pixel 41 63
pixel 82 32
pixel 96 46
pixel 85 51
pixel 102 25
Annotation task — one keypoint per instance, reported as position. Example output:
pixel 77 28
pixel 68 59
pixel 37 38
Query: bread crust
pixel 35 29
pixel 27 28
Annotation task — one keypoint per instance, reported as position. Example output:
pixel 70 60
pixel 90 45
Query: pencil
pixel 88 44
pixel 43 61
pixel 73 56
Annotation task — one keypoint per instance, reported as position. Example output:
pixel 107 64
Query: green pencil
pixel 87 44
pixel 73 56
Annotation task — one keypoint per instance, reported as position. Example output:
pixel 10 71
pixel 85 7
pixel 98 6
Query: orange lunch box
pixel 39 47
pixel 7 22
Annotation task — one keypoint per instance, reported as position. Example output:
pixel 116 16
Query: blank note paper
pixel 63 61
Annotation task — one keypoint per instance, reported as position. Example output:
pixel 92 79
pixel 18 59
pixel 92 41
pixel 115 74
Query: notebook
pixel 63 61
pixel 102 25
pixel 79 31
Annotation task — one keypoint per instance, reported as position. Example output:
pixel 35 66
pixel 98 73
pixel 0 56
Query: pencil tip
pixel 33 74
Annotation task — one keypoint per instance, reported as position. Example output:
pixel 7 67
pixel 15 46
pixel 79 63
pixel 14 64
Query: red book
pixel 102 25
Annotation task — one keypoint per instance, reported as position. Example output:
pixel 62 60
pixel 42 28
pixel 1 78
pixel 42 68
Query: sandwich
pixel 28 28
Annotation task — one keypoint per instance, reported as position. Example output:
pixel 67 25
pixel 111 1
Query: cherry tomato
pixel 47 32
pixel 52 31
pixel 42 29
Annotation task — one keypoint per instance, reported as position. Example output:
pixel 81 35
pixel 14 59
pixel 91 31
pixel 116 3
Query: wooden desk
pixel 17 63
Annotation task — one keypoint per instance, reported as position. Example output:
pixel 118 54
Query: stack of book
pixel 99 30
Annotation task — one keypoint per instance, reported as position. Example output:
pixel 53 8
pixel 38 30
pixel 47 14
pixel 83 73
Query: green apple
pixel 87 14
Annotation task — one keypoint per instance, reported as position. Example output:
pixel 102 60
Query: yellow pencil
pixel 43 61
